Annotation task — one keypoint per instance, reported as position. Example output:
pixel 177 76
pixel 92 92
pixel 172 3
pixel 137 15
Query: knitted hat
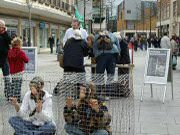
pixel 2 24
pixel 77 34
pixel 37 82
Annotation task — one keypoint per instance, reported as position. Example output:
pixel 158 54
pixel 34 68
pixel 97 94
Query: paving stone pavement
pixel 152 117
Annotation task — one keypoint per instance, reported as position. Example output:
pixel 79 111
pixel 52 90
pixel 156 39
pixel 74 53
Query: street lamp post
pixel 100 13
pixel 137 16
pixel 29 4
pixel 160 20
pixel 150 17
pixel 84 14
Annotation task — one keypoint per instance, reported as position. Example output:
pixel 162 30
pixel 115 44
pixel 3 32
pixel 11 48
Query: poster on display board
pixel 157 66
pixel 31 66
pixel 1 74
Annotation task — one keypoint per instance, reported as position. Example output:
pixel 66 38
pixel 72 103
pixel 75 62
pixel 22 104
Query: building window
pixel 174 8
pixel 128 11
pixel 164 13
pixel 168 13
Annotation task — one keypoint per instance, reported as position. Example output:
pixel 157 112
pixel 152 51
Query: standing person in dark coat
pixel 90 42
pixel 75 49
pixel 123 86
pixel 136 44
pixel 124 56
pixel 51 43
pixel 5 42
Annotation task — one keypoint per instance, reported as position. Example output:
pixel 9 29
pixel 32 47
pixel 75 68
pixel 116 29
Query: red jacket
pixel 17 59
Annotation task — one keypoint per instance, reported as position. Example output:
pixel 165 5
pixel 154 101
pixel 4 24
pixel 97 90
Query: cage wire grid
pixel 116 92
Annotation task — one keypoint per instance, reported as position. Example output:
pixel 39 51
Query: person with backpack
pixel 106 49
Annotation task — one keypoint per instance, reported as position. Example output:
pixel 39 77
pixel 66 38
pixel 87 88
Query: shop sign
pixel 42 25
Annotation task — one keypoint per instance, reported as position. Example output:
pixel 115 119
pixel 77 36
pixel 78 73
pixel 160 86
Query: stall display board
pixel 157 66
pixel 31 52
pixel 157 69
pixel 1 74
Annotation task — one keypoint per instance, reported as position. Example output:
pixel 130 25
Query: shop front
pixel 43 34
pixel 26 31
pixel 12 26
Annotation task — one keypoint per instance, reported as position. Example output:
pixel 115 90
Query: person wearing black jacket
pixel 124 57
pixel 5 41
pixel 51 43
pixel 123 86
pixel 75 49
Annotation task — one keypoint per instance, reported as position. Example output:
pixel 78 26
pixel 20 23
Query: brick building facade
pixel 168 17
pixel 48 17
pixel 142 22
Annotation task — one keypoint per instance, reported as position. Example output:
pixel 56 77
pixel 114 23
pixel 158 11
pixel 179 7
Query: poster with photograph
pixel 1 74
pixel 31 52
pixel 157 66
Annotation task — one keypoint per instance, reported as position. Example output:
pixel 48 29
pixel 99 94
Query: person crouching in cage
pixel 17 59
pixel 88 116
pixel 34 117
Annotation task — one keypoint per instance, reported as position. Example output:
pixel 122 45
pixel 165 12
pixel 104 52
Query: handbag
pixel 174 61
pixel 61 60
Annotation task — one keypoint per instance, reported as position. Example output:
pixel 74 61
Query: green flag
pixel 79 17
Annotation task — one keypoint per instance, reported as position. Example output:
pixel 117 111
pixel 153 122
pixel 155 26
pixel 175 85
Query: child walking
pixel 17 59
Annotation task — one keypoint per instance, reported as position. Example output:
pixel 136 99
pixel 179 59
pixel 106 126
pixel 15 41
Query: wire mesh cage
pixel 113 93
pixel 108 105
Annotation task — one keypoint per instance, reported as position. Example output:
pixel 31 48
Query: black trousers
pixel 72 69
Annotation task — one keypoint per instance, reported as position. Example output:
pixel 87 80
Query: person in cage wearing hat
pixel 17 59
pixel 5 42
pixel 35 116
pixel 87 116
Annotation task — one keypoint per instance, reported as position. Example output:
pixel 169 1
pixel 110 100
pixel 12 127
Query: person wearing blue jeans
pixel 74 130
pixel 24 127
pixel 106 50
pixel 34 117
pixel 106 61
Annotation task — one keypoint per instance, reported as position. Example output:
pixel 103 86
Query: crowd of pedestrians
pixel 142 42
pixel 166 42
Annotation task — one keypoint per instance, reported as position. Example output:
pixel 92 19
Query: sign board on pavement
pixel 157 66
pixel 31 52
